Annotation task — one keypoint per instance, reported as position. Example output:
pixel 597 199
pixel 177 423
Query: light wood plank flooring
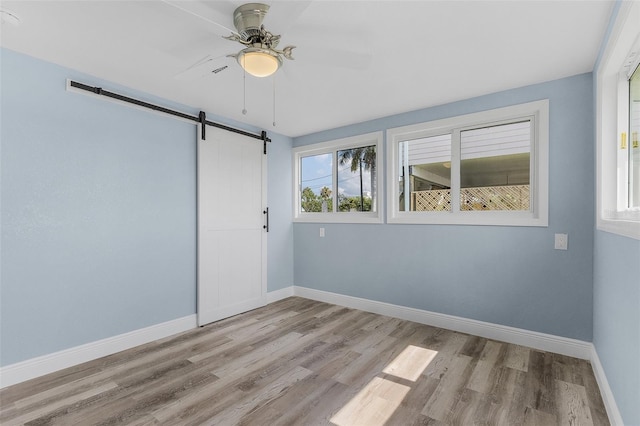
pixel 302 362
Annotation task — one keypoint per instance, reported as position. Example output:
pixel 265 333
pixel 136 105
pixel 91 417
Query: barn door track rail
pixel 201 118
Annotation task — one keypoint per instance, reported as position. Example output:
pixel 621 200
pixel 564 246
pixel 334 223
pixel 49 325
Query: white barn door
pixel 231 239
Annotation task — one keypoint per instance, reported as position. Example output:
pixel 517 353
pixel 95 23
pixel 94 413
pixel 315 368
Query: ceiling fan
pixel 260 55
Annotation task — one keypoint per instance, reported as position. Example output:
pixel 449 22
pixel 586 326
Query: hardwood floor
pixel 304 362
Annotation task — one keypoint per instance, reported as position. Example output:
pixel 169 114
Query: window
pixel 488 168
pixel 338 181
pixel 632 159
pixel 618 126
pixel 628 151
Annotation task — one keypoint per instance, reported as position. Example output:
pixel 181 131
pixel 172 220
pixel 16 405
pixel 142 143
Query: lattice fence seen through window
pixel 430 201
pixel 511 197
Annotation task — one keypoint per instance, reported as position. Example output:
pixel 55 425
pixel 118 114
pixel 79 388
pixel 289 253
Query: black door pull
pixel 266 211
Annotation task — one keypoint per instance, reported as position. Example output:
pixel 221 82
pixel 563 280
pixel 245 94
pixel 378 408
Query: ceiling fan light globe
pixel 259 63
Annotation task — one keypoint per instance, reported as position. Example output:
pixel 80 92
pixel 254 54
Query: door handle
pixel 266 212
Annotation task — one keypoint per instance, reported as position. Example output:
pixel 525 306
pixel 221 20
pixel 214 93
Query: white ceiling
pixel 355 60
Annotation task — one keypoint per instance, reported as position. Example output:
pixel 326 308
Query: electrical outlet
pixel 321 232
pixel 562 241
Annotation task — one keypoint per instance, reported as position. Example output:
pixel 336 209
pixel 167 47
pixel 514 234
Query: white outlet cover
pixel 561 241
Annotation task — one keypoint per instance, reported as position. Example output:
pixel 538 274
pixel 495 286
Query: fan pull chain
pixel 244 93
pixel 274 100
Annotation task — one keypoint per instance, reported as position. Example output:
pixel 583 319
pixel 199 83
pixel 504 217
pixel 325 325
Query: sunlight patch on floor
pixel 410 363
pixel 380 398
pixel 373 405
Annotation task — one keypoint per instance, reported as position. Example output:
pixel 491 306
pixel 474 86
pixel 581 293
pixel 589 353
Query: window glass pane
pixel 357 173
pixel 424 174
pixel 494 167
pixel 316 177
pixel 634 145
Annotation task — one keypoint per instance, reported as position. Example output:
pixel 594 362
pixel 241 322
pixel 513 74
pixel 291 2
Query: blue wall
pixel 504 275
pixel 616 318
pixel 98 212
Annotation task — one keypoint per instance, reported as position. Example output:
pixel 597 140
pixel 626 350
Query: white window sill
pixel 624 226
pixel 341 217
pixel 632 215
pixel 492 218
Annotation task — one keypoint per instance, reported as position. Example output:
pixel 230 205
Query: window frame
pixel 611 120
pixel 333 146
pixel 537 111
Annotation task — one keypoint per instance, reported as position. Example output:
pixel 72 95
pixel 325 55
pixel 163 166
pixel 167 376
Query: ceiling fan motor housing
pixel 248 19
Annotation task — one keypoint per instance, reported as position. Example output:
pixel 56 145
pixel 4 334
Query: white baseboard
pixel 607 396
pixel 532 339
pixel 283 293
pixel 35 367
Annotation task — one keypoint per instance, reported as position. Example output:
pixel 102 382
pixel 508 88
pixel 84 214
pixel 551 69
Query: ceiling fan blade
pixel 283 14
pixel 219 14
pixel 207 65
